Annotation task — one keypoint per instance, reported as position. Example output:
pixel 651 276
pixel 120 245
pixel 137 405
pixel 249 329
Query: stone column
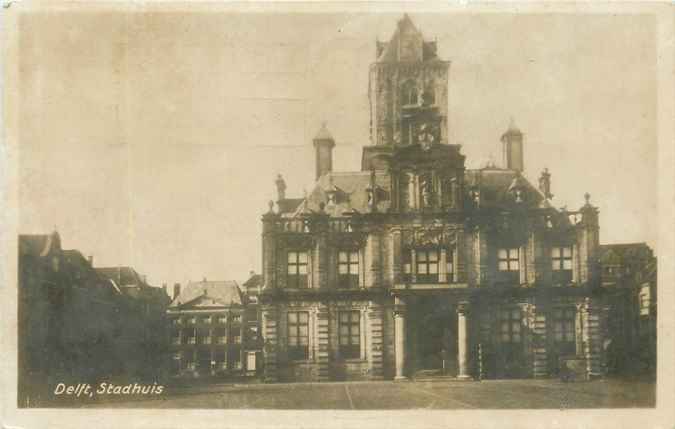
pixel 463 341
pixel 399 335
pixel 443 266
pixel 269 328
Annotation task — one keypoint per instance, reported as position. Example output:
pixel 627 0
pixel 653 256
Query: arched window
pixel 408 93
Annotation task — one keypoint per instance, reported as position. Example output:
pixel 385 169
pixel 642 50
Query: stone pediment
pixel 204 301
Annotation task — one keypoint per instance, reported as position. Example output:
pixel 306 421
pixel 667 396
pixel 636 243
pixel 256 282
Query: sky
pixel 153 139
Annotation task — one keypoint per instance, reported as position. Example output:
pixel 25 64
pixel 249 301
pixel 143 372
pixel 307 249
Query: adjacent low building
pixel 629 279
pixel 207 329
pixel 75 324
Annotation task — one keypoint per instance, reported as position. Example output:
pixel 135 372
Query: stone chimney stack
pixel 281 188
pixel 90 258
pixel 164 288
pixel 323 145
pixel 176 290
pixel 512 147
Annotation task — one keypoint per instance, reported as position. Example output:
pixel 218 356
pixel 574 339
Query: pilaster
pixel 270 320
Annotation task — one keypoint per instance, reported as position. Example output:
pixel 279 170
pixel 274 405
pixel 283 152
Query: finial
pixel 270 203
pixel 587 197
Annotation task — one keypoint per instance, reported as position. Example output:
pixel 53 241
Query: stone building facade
pixel 207 329
pixel 416 266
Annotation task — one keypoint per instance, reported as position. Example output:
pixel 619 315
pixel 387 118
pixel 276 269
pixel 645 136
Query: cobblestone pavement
pixel 492 394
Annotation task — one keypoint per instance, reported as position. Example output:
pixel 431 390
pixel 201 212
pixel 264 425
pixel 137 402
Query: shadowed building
pixel 417 266
pixel 629 277
pixel 75 324
pixel 207 321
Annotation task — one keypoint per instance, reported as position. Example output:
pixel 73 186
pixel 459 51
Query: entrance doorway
pixel 434 338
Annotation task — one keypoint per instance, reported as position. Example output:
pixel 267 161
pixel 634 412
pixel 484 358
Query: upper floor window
pixel 298 335
pixel 408 93
pixel 509 264
pixel 297 269
pixel 348 269
pixel 236 318
pixel 561 264
pixel 350 335
pixel 427 266
pixel 192 320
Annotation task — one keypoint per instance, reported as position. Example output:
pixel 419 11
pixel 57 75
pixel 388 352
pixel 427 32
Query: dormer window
pixel 518 194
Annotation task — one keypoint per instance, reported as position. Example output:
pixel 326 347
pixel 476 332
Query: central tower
pixel 408 90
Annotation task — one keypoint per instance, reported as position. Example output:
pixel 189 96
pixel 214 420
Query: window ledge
pixel 301 361
pixel 354 360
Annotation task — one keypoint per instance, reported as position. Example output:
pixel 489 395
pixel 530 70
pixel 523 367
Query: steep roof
pixel 225 292
pixel 254 281
pixel 350 193
pixel 494 185
pixel 406 41
pixel 289 205
pixel 617 254
pixel 122 276
pixel 39 245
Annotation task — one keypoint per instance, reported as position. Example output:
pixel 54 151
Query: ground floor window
pixel 564 329
pixel 298 335
pixel 510 321
pixel 350 334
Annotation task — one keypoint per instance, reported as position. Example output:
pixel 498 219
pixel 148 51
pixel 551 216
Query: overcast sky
pixel 153 140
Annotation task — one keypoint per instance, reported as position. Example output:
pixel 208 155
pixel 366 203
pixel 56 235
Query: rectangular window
pixel 427 266
pixel 350 334
pixel 561 264
pixel 236 318
pixel 510 325
pixel 508 260
pixel 192 320
pixel 297 270
pixel 564 332
pixel 222 320
pixel 205 319
pixel 406 266
pixel 298 335
pixel 348 269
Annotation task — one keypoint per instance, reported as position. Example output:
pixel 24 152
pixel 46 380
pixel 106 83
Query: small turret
pixel 323 145
pixel 281 188
pixel 512 146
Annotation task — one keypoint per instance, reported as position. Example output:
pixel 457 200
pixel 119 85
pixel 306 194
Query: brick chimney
pixel 176 290
pixel 281 187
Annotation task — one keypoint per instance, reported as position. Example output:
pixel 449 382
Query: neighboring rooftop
pixel 225 293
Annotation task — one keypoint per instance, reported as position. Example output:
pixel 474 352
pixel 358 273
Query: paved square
pixel 492 394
